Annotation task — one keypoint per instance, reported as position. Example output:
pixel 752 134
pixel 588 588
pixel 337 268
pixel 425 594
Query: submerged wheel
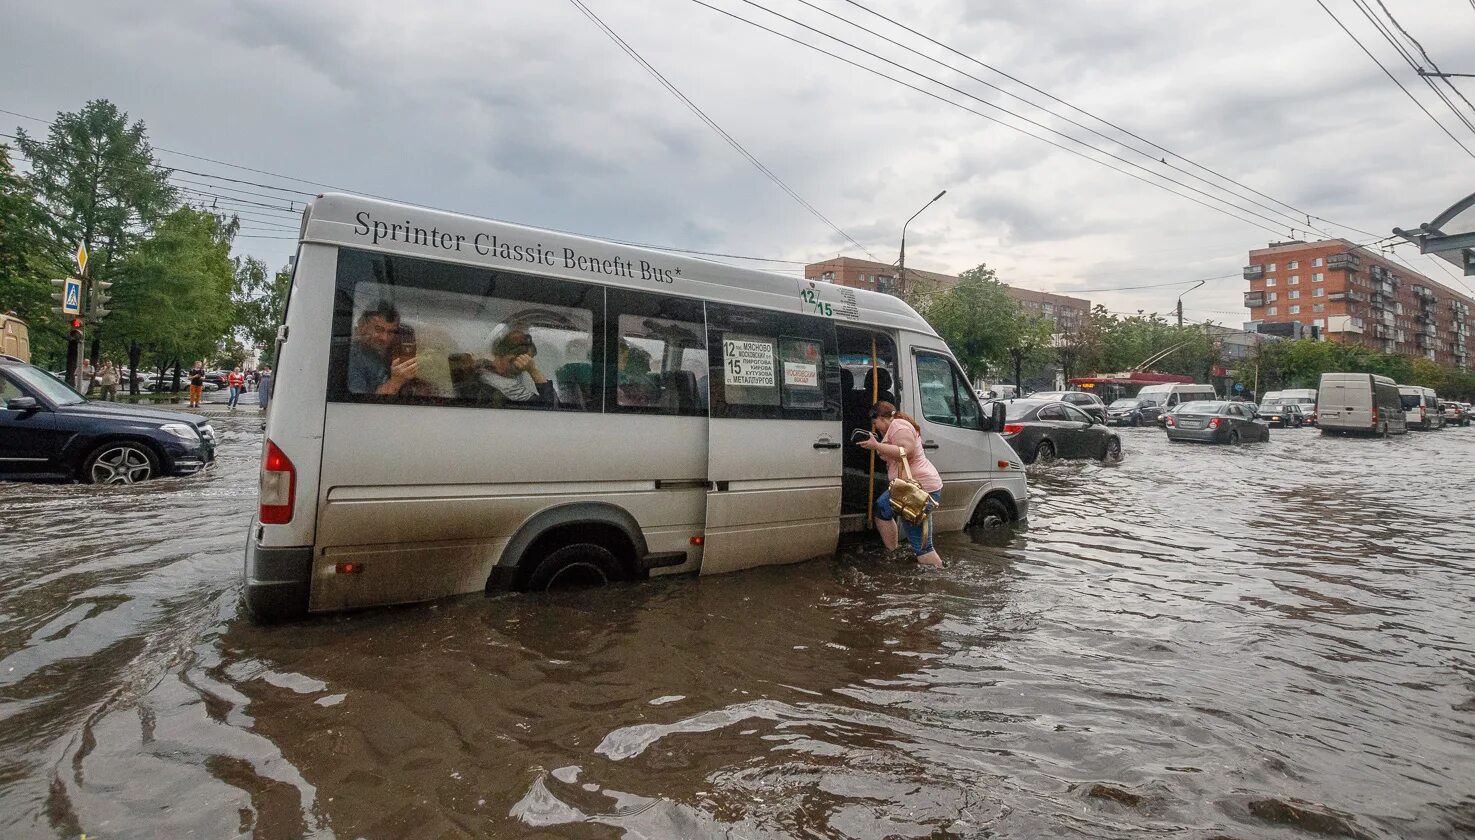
pixel 992 514
pixel 1045 452
pixel 119 462
pixel 1234 437
pixel 1113 450
pixel 576 566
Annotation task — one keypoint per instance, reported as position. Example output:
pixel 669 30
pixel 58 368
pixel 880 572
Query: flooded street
pixel 1271 641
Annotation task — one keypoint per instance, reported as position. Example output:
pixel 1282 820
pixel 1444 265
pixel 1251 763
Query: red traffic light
pixel 76 323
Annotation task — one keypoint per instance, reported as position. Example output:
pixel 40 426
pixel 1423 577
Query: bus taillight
pixel 278 486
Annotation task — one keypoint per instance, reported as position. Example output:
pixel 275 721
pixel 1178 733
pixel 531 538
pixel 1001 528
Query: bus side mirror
pixel 996 417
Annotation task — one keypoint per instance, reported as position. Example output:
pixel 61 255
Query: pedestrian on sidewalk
pixel 89 373
pixel 196 383
pixel 263 388
pixel 237 383
pixel 108 380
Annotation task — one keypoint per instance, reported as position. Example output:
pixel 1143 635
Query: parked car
pixel 1216 421
pixel 1089 403
pixel 48 430
pixel 1043 430
pixel 1130 411
pixel 1455 414
pixel 1286 416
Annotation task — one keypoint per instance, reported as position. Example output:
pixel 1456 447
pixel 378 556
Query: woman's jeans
pixel 235 395
pixel 920 535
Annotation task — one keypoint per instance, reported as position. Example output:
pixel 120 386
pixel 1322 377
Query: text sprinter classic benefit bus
pixel 464 405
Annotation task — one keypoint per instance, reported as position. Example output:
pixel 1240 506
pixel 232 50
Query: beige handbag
pixel 907 496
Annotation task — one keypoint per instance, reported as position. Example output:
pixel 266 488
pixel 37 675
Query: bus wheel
pixel 576 566
pixel 992 514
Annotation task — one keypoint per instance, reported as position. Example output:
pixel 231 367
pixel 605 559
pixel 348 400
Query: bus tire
pixel 574 566
pixel 992 514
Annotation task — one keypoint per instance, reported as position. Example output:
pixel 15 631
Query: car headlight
pixel 180 430
pixel 207 431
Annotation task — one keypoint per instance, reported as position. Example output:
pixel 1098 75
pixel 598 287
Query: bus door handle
pixel 928 444
pixel 826 443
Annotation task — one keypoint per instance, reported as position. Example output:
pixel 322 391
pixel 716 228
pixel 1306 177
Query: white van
pixel 1359 403
pixel 464 405
pixel 1420 407
pixel 1170 395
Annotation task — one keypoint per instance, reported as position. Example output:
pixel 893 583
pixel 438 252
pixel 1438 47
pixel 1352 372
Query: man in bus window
pixel 513 369
pixel 371 368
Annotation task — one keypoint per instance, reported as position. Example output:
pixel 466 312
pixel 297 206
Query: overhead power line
pixel 1393 78
pixel 712 124
pixel 1425 54
pixel 1166 152
pixel 1408 58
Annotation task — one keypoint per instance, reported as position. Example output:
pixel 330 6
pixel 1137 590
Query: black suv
pixel 48 430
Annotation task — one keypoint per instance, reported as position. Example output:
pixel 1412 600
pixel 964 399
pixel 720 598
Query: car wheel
pixel 991 515
pixel 120 462
pixel 1234 437
pixel 1113 451
pixel 1045 452
pixel 576 566
pixel 1137 421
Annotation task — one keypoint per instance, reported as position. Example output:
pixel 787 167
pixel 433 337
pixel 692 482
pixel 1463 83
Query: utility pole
pixel 901 268
pixel 1180 300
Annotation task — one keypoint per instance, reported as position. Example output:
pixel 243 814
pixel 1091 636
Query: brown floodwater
pixel 1274 641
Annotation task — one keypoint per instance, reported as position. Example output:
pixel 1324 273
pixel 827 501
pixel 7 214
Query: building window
pixel 1318 277
pixel 1271 310
pixel 1294 281
pixel 1318 307
pixel 1295 294
pixel 1319 322
pixel 1295 310
pixel 1293 265
pixel 1318 292
pixel 1271 297
pixel 1269 281
pixel 1269 266
pixel 1318 263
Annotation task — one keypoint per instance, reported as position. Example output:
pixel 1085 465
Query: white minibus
pixel 464 405
pixel 1170 395
pixel 1420 408
pixel 1359 403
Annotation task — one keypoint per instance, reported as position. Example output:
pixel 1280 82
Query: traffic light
pixel 98 299
pixel 59 296
pixel 76 331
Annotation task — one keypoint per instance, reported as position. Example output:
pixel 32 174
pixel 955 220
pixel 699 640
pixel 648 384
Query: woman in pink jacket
pixel 900 436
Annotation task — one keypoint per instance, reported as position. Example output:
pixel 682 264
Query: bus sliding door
pixel 774 439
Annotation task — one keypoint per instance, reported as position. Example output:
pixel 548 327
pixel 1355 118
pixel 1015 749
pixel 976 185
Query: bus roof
pixel 376 225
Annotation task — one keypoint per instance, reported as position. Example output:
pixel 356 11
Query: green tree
pixel 976 317
pixel 23 284
pixel 174 291
pixel 260 303
pixel 98 185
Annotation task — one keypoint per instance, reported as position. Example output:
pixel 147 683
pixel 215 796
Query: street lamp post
pixel 1180 300
pixel 901 269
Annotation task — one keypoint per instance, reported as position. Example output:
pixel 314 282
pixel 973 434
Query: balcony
pixel 1379 300
pixel 1424 293
pixel 1344 262
pixel 1424 317
pixel 1254 272
pixel 1384 331
pixel 1253 299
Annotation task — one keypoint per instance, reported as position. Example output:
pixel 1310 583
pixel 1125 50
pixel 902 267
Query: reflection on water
pixel 1271 641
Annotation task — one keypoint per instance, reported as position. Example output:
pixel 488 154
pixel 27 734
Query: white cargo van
pixel 1359 403
pixel 1170 395
pixel 464 405
pixel 1420 408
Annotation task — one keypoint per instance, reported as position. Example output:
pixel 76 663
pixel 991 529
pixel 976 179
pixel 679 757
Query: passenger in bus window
pixel 513 370
pixel 372 369
pixel 638 386
pixel 900 434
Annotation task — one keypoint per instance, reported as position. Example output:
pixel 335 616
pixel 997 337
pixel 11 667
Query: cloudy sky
pixel 526 111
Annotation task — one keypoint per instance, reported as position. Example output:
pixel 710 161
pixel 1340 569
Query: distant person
pixel 236 382
pixel 513 370
pixel 88 373
pixel 372 369
pixel 107 379
pixel 196 382
pixel 900 436
pixel 263 387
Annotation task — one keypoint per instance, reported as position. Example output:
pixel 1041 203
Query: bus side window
pixel 772 365
pixel 420 332
pixel 656 355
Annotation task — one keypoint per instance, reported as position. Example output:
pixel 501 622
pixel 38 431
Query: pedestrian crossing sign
pixel 71 302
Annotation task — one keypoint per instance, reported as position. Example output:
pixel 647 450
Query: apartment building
pixel 1068 313
pixel 1354 295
